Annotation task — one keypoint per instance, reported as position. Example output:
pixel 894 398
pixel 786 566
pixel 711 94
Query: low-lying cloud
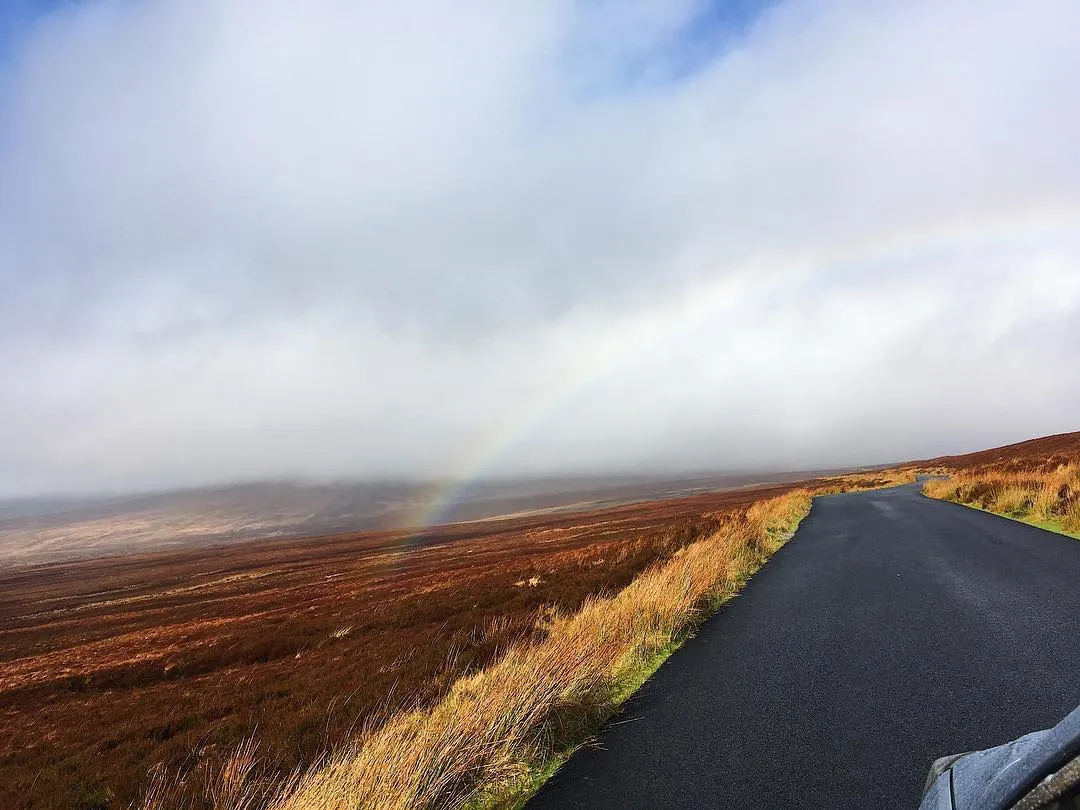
pixel 242 239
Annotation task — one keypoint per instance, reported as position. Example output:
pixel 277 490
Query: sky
pixel 245 239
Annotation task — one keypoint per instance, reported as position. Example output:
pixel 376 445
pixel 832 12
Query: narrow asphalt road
pixel 893 629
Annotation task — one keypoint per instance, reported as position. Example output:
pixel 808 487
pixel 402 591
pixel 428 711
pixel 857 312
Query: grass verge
pixel 1048 499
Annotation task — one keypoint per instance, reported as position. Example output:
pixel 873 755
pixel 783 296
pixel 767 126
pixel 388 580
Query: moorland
pixel 125 672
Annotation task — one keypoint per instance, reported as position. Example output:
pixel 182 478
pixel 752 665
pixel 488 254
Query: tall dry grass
pixel 487 739
pixel 1047 497
pixel 233 783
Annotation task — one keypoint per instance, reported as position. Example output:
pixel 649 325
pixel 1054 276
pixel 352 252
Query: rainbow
pixel 697 306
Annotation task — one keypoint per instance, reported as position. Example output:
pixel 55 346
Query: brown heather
pixel 117 668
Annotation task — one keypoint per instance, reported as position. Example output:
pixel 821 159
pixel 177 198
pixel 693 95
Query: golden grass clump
pixel 232 783
pixel 1050 497
pixel 1071 519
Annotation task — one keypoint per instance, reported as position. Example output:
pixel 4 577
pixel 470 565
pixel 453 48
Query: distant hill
pixel 51 529
pixel 1047 452
pixel 41 530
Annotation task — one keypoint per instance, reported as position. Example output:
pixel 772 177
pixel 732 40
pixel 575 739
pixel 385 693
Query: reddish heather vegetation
pixel 1040 455
pixel 109 667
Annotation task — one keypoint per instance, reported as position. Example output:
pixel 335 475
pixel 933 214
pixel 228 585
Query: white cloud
pixel 246 238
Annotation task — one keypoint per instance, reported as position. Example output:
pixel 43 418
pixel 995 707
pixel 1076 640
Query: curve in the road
pixel 893 629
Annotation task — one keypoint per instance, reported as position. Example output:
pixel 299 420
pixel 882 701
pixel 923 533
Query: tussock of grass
pixel 1047 498
pixel 231 783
